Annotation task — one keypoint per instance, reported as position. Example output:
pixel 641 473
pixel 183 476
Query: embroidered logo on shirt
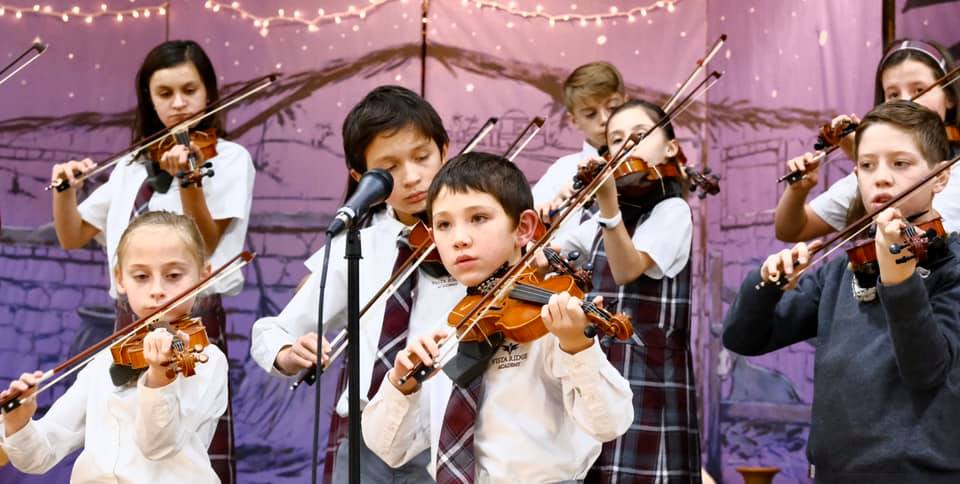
pixel 443 282
pixel 510 360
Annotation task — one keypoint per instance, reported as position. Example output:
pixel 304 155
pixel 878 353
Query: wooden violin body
pixel 205 143
pixel 517 317
pixel 129 352
pixel 862 257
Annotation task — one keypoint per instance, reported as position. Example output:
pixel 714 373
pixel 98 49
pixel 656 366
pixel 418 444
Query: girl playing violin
pixel 639 244
pixel 156 427
pixel 907 68
pixel 885 403
pixel 175 81
pixel 540 410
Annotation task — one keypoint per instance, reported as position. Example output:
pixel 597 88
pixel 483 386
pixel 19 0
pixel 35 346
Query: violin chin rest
pixel 121 375
pixel 472 360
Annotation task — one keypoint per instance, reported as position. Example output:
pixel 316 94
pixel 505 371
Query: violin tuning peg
pixel 587 267
pixel 208 164
pixel 573 255
pixel 208 173
pixel 590 330
pixel 896 248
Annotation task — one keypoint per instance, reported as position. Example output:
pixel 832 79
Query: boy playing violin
pixel 393 129
pixel 590 93
pixel 885 403
pixel 539 411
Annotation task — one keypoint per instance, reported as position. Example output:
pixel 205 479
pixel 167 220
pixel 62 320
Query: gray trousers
pixel 375 471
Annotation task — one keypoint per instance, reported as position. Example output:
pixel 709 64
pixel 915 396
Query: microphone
pixel 374 187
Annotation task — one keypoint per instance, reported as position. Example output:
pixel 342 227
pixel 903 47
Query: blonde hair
pixel 595 80
pixel 181 225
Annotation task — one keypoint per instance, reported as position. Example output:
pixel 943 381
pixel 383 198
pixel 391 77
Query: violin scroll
pixel 703 182
pixel 831 135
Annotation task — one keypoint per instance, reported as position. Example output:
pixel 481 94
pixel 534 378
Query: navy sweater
pixel 886 400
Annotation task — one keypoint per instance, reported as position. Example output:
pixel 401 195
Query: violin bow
pixel 797 175
pixel 339 343
pixel 251 88
pixel 83 358
pixel 503 286
pixel 37 48
pixel 861 224
pixel 701 65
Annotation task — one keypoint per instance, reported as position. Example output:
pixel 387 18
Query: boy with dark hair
pixel 540 410
pixel 885 403
pixel 393 129
pixel 590 94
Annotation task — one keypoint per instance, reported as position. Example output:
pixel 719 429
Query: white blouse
pixel 130 434
pixel 229 195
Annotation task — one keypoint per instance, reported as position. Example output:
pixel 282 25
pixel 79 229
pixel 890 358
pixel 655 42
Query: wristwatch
pixel 609 223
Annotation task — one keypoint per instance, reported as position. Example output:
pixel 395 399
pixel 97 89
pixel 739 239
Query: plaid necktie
pixel 456 462
pixel 142 202
pixel 396 322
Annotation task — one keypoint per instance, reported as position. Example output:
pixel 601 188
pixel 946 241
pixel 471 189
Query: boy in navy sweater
pixel 886 404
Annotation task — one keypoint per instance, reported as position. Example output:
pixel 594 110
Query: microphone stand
pixel 353 255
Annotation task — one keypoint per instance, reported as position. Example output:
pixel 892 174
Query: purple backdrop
pixel 789 66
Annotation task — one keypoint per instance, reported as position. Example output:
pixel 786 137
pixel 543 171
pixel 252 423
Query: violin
pixel 917 238
pixel 831 135
pixel 145 144
pixel 518 316
pixel 127 355
pixel 851 231
pixel 205 142
pixel 186 354
pixel 829 138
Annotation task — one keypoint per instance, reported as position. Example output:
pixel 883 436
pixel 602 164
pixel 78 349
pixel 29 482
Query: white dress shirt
pixel 130 434
pixel 559 176
pixel 666 236
pixel 543 416
pixel 229 194
pixel 432 302
pixel 832 205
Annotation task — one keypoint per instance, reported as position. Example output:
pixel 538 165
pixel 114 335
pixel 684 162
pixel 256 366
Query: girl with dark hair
pixel 639 244
pixel 905 70
pixel 175 82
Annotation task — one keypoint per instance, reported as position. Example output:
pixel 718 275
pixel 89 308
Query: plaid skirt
pixel 210 308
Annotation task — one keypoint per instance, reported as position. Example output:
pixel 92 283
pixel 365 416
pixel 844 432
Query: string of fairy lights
pixel 86 16
pixel 312 20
